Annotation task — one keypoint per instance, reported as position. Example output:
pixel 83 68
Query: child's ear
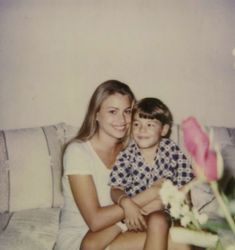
pixel 165 129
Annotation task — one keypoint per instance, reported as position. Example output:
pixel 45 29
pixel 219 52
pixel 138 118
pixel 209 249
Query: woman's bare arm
pixel 85 196
pixel 97 217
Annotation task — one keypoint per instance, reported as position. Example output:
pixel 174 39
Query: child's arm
pixel 134 219
pixel 153 206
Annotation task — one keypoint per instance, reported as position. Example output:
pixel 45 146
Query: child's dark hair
pixel 153 108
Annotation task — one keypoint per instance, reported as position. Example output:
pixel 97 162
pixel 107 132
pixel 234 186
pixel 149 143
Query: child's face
pixel 147 132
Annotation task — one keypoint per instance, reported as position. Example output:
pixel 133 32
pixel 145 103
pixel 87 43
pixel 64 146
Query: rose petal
pixel 198 144
pixel 195 139
pixel 210 166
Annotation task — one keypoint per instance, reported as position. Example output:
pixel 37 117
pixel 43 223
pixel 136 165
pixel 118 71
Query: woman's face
pixel 114 116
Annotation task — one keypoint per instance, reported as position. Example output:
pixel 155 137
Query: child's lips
pixel 142 137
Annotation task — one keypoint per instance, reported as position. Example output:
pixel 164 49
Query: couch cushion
pixel 4 220
pixel 224 136
pixel 31 229
pixel 30 168
pixel 228 153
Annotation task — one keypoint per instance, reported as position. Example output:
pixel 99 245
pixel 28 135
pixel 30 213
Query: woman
pixel 89 219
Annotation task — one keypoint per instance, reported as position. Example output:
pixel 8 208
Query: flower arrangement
pixel 195 227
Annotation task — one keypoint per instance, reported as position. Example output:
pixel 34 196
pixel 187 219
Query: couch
pixel 30 182
pixel 30 186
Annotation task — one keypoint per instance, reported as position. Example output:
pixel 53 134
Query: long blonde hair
pixel 104 90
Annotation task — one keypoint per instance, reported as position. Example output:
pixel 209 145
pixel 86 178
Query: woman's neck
pixel 106 149
pixel 105 143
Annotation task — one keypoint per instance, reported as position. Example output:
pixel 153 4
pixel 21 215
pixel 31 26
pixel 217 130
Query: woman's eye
pixel 112 111
pixel 135 124
pixel 128 111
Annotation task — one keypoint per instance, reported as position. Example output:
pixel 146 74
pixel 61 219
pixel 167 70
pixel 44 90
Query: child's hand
pixel 134 218
pixel 153 206
pixel 158 183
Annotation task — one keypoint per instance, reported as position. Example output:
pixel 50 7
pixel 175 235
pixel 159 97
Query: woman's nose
pixel 122 118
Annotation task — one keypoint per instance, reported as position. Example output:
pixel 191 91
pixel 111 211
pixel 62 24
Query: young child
pixel 150 158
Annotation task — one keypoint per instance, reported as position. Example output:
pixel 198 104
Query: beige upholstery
pixel 30 167
pixel 30 186
pixel 30 182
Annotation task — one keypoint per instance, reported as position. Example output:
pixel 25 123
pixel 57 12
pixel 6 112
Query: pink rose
pixel 197 143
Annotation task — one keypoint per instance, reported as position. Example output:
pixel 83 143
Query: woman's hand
pixel 134 218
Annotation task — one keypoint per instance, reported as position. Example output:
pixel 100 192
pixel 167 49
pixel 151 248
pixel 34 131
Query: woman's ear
pixel 97 116
pixel 165 129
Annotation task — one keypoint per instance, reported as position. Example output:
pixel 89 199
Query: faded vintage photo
pixel 117 128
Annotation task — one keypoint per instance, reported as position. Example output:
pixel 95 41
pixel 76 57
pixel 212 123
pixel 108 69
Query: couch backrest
pixel 31 167
pixel 31 164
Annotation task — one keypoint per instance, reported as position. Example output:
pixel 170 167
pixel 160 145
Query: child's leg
pixel 157 231
pixel 101 239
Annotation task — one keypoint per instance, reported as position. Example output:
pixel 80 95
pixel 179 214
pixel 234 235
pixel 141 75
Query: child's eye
pixel 135 124
pixel 150 125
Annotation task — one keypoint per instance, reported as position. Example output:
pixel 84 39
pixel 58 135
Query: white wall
pixel 53 53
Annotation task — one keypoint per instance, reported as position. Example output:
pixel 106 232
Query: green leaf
pixel 214 225
pixel 219 246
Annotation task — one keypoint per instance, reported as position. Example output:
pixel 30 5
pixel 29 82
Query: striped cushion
pixel 31 229
pixel 30 168
pixel 4 220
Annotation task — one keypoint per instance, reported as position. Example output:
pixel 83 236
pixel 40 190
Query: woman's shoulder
pixel 75 144
pixel 77 147
pixel 77 158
